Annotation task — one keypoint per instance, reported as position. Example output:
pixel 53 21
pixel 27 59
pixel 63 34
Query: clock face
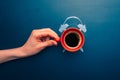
pixel 72 39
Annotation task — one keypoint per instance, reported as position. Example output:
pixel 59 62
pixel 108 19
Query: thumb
pixel 48 43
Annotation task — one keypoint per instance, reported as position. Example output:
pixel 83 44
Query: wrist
pixel 20 53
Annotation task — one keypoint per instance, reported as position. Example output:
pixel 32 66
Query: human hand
pixel 38 40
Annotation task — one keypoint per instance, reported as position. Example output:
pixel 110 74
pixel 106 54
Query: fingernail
pixel 57 40
pixel 55 43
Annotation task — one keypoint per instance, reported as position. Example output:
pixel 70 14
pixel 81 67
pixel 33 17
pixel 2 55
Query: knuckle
pixel 33 31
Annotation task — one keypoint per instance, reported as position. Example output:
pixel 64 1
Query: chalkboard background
pixel 101 57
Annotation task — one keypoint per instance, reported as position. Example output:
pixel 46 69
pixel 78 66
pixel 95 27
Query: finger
pixel 48 43
pixel 49 33
pixel 47 38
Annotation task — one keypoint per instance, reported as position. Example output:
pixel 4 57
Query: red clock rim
pixel 72 49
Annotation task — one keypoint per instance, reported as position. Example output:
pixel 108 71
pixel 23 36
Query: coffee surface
pixel 72 39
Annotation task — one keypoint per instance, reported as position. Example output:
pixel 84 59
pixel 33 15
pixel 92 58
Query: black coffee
pixel 72 39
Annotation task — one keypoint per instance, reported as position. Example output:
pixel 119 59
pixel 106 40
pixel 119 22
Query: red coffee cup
pixel 72 39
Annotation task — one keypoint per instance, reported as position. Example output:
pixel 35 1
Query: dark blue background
pixel 101 59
